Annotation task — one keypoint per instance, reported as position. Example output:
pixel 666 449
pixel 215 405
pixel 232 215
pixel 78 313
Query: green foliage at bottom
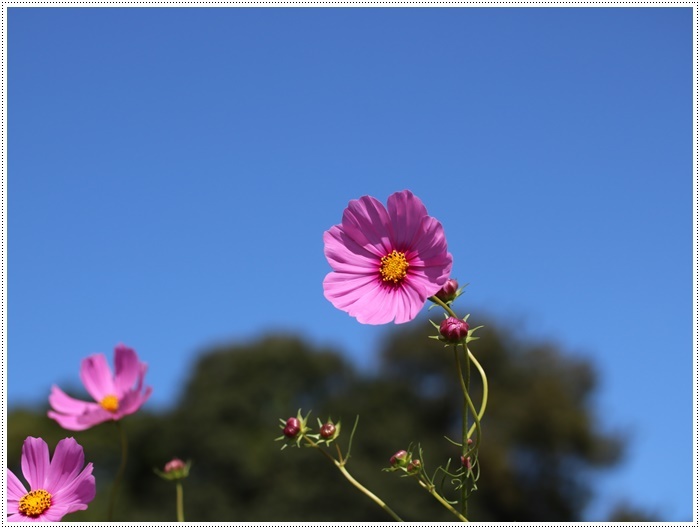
pixel 541 444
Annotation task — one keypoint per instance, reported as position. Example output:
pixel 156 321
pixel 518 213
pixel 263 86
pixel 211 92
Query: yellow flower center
pixel 394 267
pixel 35 502
pixel 110 403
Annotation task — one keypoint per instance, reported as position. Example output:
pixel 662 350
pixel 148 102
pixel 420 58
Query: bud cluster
pixel 403 460
pixel 295 429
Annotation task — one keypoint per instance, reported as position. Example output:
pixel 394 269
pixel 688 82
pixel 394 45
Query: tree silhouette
pixel 541 448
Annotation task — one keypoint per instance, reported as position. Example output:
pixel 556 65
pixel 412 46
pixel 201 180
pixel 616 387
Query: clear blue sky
pixel 171 172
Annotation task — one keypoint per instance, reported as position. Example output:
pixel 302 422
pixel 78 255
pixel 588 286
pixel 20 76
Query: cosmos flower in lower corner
pixel 115 396
pixel 386 261
pixel 57 486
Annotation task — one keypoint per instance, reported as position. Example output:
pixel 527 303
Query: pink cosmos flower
pixel 386 261
pixel 115 396
pixel 57 486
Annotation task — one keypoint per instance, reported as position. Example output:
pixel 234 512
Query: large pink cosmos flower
pixel 57 486
pixel 386 261
pixel 115 396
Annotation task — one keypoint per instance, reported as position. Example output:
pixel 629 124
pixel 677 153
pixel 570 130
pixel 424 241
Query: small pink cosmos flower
pixel 115 396
pixel 386 261
pixel 57 486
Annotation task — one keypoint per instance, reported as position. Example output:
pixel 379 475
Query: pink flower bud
pixel 175 464
pixel 448 291
pixel 454 330
pixel 292 428
pixel 327 430
pixel 399 458
pixel 466 462
pixel 413 465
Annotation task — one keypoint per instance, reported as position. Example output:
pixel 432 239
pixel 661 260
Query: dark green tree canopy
pixel 541 449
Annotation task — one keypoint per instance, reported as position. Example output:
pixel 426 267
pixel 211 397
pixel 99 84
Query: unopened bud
pixel 413 465
pixel 174 469
pixel 466 462
pixel 292 427
pixel 327 430
pixel 454 330
pixel 448 292
pixel 399 458
pixel 175 464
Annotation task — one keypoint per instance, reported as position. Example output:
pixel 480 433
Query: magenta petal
pixel 66 464
pixel 97 377
pixel 62 403
pixel 55 513
pixel 15 488
pixel 407 212
pixel 360 296
pixel 343 289
pixel 132 401
pixel 17 517
pixel 367 223
pixel 93 416
pixel 77 493
pixel 345 255
pixel 126 368
pixel 35 462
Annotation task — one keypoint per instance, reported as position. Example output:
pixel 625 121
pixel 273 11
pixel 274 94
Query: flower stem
pixel 120 472
pixel 468 405
pixel 464 382
pixel 431 490
pixel 485 395
pixel 340 464
pixel 367 492
pixel 180 503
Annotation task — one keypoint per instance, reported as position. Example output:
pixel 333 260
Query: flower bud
pixel 448 292
pixel 292 427
pixel 327 430
pixel 174 469
pixel 413 466
pixel 454 330
pixel 175 464
pixel 466 462
pixel 399 459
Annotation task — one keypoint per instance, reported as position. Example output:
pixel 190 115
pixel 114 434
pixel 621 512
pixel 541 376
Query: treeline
pixel 542 449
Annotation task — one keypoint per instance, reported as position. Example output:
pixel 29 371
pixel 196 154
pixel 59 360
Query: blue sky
pixel 171 172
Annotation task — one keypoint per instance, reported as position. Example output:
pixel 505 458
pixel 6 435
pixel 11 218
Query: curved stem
pixel 367 492
pixel 120 472
pixel 444 305
pixel 465 429
pixel 485 395
pixel 341 466
pixel 442 500
pixel 180 503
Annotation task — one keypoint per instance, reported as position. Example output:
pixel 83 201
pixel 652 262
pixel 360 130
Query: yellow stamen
pixel 35 502
pixel 110 403
pixel 394 267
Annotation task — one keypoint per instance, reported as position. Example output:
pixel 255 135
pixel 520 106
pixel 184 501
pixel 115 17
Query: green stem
pixel 341 466
pixel 180 503
pixel 465 430
pixel 120 472
pixel 485 396
pixel 442 500
pixel 367 492
pixel 468 405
